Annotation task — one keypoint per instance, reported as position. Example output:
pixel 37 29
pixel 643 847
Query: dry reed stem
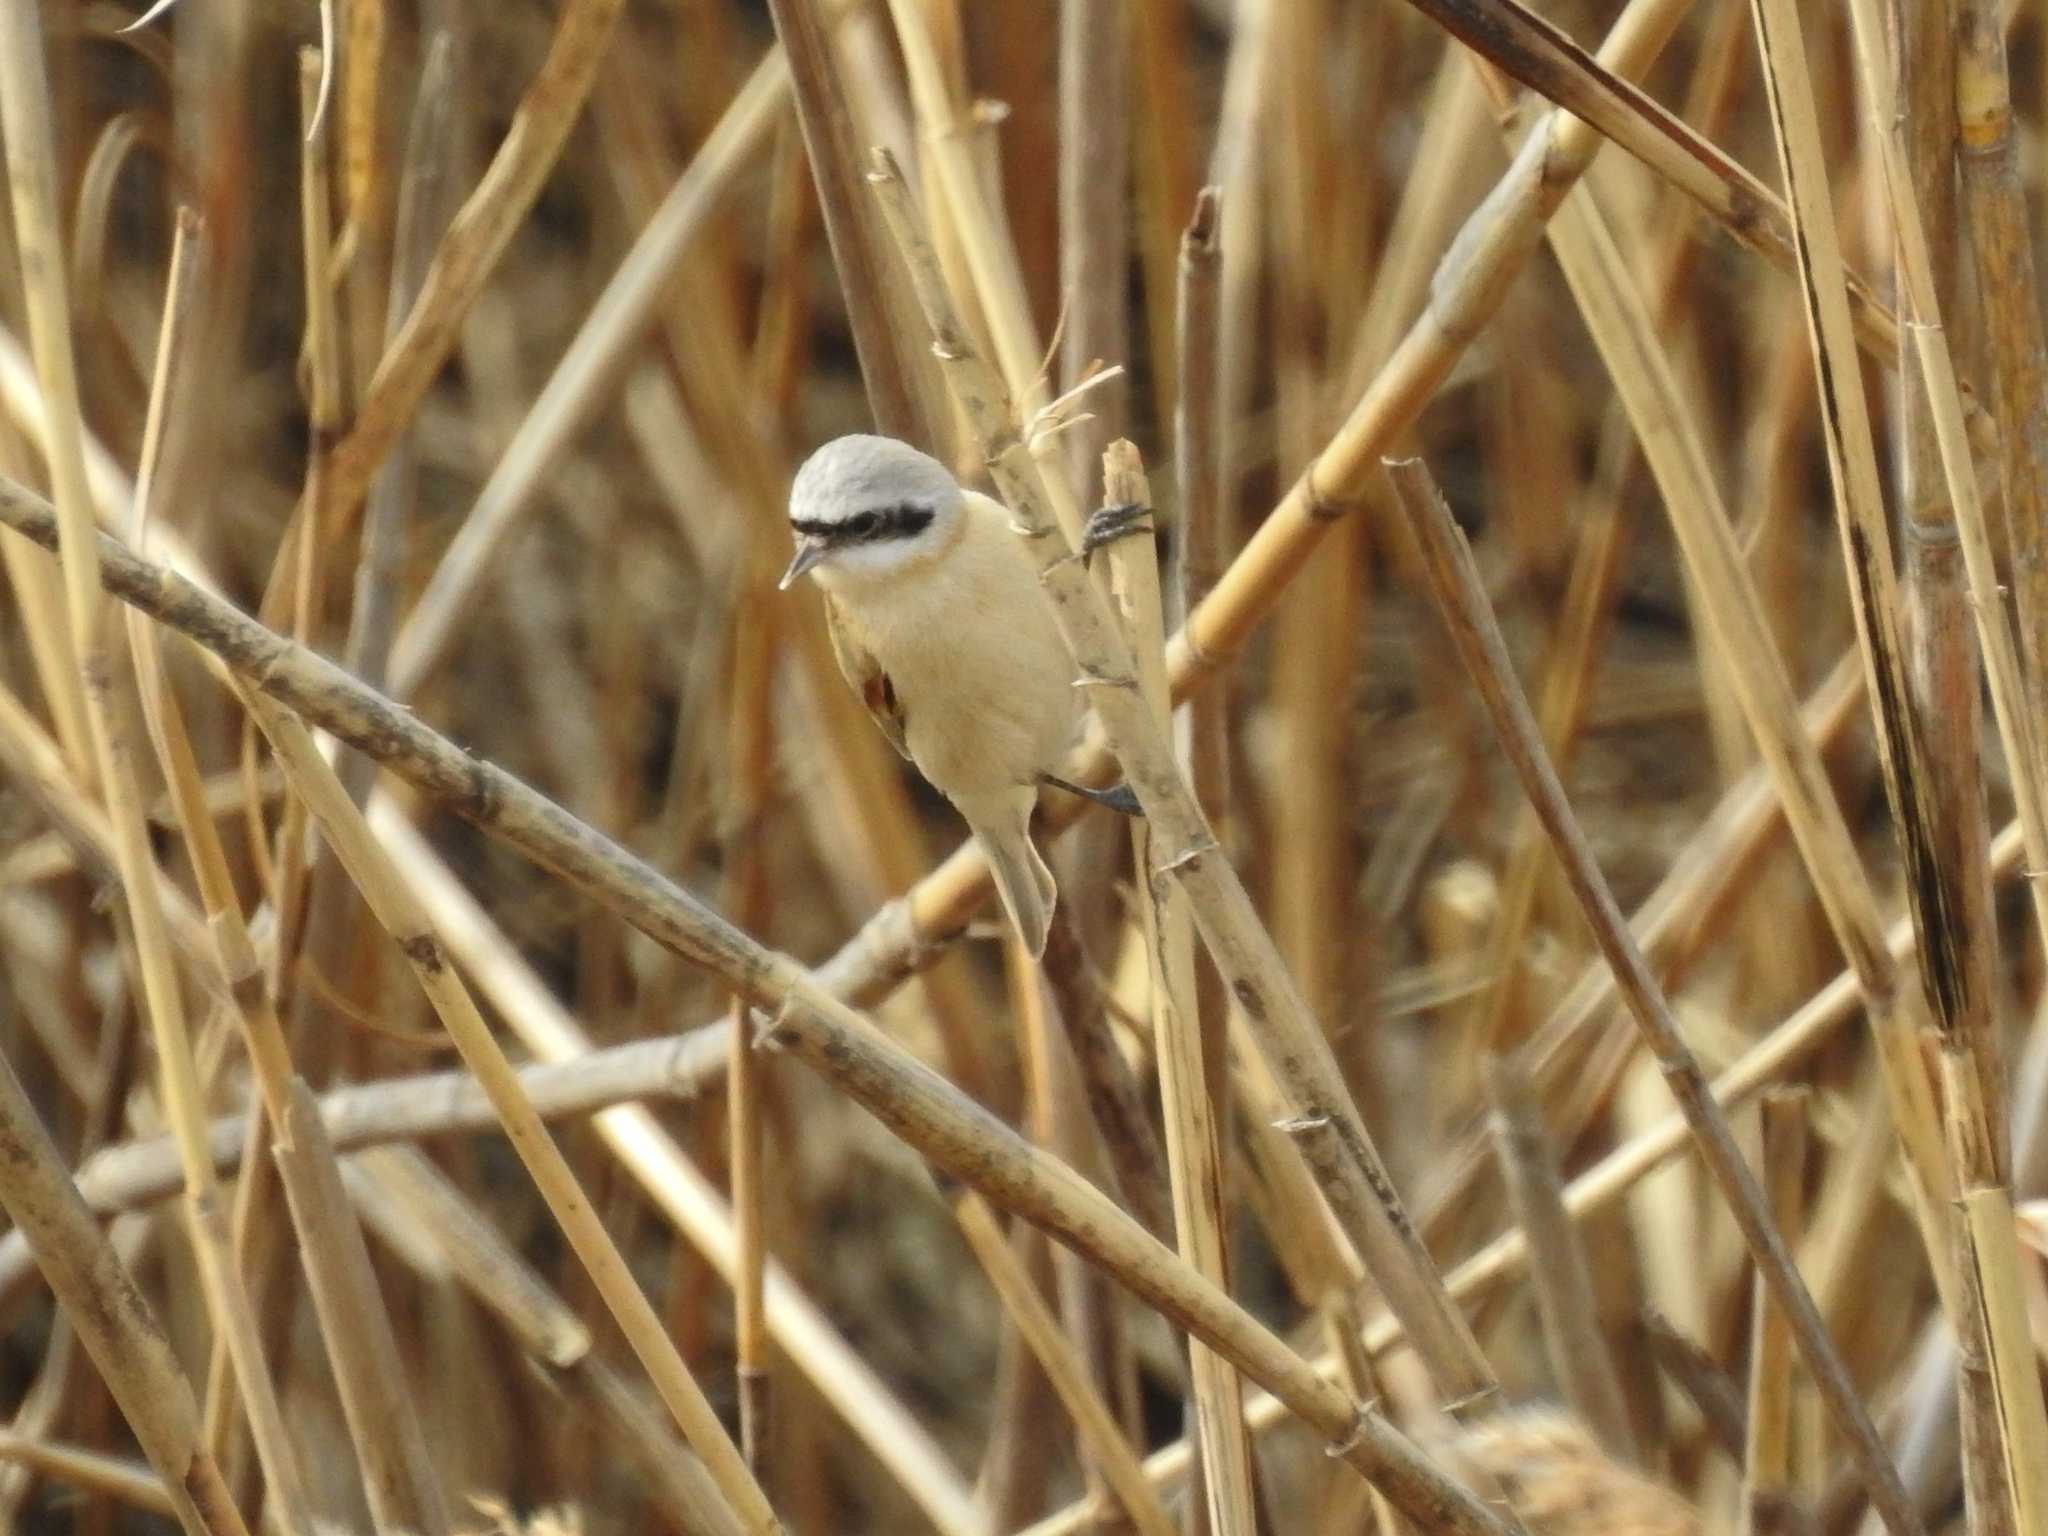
pixel 235 1317
pixel 551 1331
pixel 954 1134
pixel 1703 1380
pixel 1859 503
pixel 111 1317
pixel 109 1477
pixel 475 242
pixel 1054 1115
pixel 575 389
pixel 1327 1127
pixel 401 1485
pixel 890 373
pixel 32 176
pixel 1781 1050
pixel 1563 1281
pixel 1988 162
pixel 1544 57
pixel 1115 1097
pixel 1469 617
pixel 1095 136
pixel 1100 1433
pixel 1598 277
pixel 991 259
pixel 2017 729
pixel 1769 1503
pixel 398 910
pixel 129 1174
pixel 1193 1156
pixel 678 1189
pixel 750 769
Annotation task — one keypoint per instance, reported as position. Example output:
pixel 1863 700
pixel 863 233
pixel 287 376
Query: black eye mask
pixel 873 526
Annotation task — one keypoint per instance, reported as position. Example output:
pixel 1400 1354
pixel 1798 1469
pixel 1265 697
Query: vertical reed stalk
pixel 1193 1156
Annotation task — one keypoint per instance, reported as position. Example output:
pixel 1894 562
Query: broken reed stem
pixel 1770 1507
pixel 1194 1159
pixel 918 1105
pixel 396 908
pixel 1330 1131
pixel 1565 1300
pixel 1064 1367
pixel 1461 598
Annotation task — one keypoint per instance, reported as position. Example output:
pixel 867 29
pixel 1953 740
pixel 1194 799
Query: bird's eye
pixel 865 523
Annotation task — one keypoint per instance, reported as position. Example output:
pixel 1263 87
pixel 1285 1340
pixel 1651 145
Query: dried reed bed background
pixel 1564 1041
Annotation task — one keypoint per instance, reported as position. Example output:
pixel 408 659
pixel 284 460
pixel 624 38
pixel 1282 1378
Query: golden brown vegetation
pixel 597 1095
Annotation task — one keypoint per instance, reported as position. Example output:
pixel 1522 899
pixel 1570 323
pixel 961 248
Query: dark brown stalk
pixel 1468 615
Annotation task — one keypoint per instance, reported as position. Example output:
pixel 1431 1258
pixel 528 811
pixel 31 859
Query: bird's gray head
pixel 864 508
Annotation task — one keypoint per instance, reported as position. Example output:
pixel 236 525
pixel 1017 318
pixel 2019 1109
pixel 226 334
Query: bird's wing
pixel 867 678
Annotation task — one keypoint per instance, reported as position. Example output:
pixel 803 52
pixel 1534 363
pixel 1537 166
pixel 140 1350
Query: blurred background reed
pixel 481 363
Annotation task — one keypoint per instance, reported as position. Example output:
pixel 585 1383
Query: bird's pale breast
pixel 984 680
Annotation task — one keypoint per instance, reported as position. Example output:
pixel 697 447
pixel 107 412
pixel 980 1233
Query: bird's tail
pixel 1022 880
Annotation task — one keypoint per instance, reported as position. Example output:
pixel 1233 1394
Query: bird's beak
pixel 809 552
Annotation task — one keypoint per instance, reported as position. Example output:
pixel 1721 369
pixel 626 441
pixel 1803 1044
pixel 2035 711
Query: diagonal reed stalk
pixel 956 1135
pixel 1468 615
pixel 1193 1155
pixel 1328 1127
pixel 398 910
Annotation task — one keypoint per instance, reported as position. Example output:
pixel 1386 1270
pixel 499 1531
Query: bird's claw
pixel 1120 798
pixel 1106 525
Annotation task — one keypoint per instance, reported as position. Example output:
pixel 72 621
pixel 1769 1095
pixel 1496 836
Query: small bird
pixel 940 625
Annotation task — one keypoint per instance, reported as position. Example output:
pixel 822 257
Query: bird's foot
pixel 1108 524
pixel 1118 797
